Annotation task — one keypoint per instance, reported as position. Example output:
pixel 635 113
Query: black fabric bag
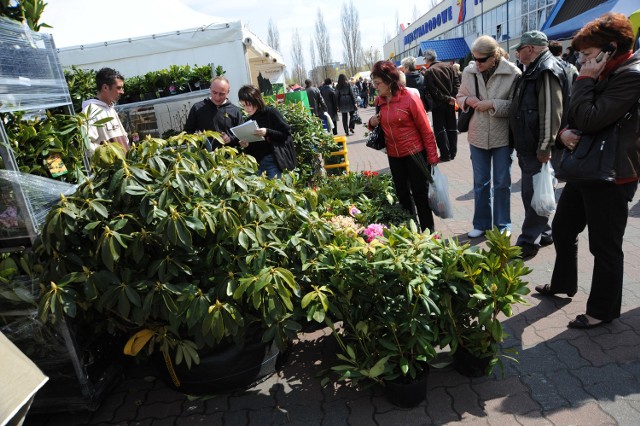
pixel 593 159
pixel 285 154
pixel 464 118
pixel 356 118
pixel 376 136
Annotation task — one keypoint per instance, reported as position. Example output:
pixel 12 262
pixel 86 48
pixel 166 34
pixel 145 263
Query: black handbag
pixel 464 118
pixel 376 136
pixel 594 158
pixel 356 118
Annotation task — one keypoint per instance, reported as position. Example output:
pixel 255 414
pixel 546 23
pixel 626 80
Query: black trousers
pixel 350 122
pixel 445 128
pixel 604 208
pixel 412 187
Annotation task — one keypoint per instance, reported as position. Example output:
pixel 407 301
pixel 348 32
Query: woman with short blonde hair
pixel 487 86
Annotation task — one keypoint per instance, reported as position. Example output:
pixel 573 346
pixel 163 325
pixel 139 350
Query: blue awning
pixel 568 28
pixel 446 50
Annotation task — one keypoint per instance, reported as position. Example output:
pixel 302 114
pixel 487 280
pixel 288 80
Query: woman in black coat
pixel 604 103
pixel 346 103
pixel 276 152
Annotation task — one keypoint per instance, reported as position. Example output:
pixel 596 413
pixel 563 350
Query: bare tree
pixel 416 13
pixel 299 72
pixel 351 37
pixel 314 64
pixel 273 38
pixel 323 45
pixel 386 37
pixel 397 22
pixel 370 57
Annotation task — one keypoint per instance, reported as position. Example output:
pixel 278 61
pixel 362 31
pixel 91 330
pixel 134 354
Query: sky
pixel 375 16
pixel 78 22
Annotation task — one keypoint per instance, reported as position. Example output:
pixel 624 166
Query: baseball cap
pixel 532 38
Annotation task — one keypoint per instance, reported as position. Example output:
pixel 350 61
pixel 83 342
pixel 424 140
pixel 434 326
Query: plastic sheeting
pixel 41 193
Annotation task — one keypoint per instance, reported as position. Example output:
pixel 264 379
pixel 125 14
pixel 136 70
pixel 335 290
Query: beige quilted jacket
pixel 490 129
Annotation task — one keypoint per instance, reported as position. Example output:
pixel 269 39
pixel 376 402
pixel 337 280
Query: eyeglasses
pixel 482 60
pixel 521 47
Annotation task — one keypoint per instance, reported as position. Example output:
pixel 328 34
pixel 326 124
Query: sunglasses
pixel 521 47
pixel 481 60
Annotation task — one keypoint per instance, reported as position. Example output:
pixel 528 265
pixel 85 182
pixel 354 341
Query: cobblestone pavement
pixel 563 377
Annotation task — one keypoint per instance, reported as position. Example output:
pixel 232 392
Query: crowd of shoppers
pixel 542 107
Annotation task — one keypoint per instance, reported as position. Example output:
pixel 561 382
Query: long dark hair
pixel 251 95
pixel 342 81
pixel 387 71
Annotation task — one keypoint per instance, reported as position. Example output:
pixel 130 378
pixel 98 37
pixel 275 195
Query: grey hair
pixel 431 55
pixel 409 63
pixel 486 46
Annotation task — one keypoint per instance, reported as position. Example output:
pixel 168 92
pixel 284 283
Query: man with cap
pixel 539 103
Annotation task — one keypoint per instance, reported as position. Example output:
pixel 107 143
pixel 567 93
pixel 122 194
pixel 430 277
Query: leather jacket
pixel 534 130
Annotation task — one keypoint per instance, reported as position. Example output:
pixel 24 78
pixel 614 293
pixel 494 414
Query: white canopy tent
pixel 155 38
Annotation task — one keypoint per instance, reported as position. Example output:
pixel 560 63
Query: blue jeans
pixel 492 204
pixel 269 165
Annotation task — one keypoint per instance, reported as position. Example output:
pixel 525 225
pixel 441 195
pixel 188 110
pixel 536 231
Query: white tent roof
pixel 148 35
pixel 83 22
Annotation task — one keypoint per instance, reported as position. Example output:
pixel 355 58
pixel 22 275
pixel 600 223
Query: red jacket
pixel 406 127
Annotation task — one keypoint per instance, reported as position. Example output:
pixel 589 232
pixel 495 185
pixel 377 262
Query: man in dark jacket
pixel 442 85
pixel 331 101
pixel 215 113
pixel 539 103
pixel 415 79
pixel 316 103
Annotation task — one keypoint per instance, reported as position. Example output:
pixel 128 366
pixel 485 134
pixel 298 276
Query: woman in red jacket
pixel 409 139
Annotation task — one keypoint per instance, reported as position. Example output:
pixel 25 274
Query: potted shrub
pixel 382 292
pixel 201 77
pixel 183 251
pixel 480 285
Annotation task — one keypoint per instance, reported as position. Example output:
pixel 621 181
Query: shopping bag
pixel 543 201
pixel 439 194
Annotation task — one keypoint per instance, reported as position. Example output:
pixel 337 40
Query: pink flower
pixel 354 211
pixel 373 230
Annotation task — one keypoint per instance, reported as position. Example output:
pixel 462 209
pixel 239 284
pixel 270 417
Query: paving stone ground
pixel 563 377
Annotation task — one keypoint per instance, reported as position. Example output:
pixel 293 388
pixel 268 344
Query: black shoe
pixel 545 290
pixel 352 131
pixel 445 159
pixel 546 241
pixel 582 322
pixel 527 251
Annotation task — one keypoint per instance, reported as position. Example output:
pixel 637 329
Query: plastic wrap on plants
pixel 42 194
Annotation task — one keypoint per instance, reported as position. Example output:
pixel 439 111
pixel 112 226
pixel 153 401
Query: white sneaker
pixel 475 233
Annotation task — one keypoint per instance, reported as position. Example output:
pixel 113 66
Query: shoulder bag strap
pixel 475 76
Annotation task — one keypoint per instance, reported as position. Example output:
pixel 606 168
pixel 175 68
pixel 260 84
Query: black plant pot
pixel 407 395
pixel 223 369
pixel 470 365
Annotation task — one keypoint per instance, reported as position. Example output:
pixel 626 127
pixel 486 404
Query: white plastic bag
pixel 330 124
pixel 439 194
pixel 544 194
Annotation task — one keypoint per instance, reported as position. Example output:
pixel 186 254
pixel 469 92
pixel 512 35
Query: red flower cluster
pixel 370 173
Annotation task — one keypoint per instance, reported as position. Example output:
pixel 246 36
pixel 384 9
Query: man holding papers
pixel 215 113
pixel 272 144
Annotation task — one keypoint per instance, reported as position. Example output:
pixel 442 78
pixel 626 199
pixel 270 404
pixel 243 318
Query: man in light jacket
pixel 110 86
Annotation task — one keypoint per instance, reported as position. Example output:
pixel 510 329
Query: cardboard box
pixel 20 379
